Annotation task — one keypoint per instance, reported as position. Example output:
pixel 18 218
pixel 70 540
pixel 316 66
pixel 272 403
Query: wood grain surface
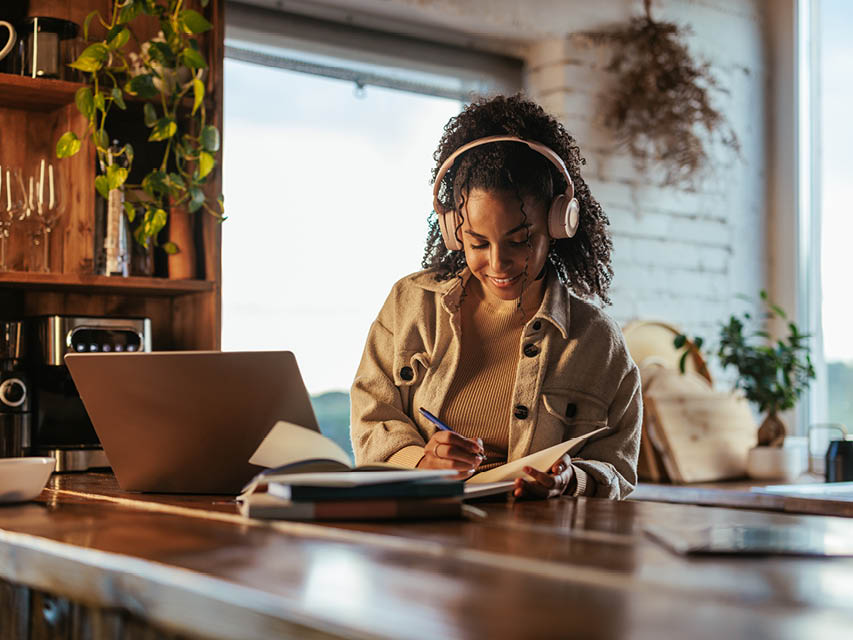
pixel 559 568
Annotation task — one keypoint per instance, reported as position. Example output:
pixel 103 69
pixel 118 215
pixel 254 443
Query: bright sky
pixel 836 22
pixel 327 196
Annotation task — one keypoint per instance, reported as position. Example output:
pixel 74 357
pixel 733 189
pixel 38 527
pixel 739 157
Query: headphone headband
pixel 540 148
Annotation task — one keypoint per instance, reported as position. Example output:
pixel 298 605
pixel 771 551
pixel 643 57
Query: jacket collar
pixel 555 307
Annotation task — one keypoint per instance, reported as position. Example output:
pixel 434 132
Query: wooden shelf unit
pixel 34 113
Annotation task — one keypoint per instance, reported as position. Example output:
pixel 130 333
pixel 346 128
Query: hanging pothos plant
pixel 167 76
pixel 661 98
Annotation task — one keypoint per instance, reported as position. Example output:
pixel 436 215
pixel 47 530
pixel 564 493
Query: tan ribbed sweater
pixel 479 401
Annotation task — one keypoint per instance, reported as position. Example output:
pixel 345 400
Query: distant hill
pixel 332 410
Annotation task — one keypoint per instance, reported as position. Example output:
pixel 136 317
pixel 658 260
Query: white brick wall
pixel 679 255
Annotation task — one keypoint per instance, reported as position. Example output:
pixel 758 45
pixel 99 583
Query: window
pixel 327 160
pixel 834 22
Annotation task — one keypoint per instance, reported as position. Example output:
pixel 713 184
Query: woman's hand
pixel 545 485
pixel 449 450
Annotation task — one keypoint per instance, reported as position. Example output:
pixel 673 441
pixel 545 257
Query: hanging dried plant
pixel 661 100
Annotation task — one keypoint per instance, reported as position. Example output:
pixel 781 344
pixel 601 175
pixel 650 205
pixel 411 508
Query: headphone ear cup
pixel 563 217
pixel 448 223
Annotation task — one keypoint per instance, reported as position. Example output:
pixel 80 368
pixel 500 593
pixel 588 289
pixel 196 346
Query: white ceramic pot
pixel 775 463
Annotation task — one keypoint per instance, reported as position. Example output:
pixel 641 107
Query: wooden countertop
pixel 567 567
pixel 739 494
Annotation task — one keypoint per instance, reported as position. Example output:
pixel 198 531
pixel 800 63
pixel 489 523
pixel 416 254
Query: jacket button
pixel 520 411
pixel 406 373
pixel 571 410
pixel 531 350
pixel 537 325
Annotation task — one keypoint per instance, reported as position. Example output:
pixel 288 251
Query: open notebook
pixel 294 455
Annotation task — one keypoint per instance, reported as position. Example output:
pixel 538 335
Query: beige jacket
pixel 577 377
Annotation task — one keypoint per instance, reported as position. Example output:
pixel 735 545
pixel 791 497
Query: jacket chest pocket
pixel 409 369
pixel 574 412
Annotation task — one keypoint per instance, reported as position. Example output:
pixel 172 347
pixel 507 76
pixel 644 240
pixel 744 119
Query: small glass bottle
pixel 112 250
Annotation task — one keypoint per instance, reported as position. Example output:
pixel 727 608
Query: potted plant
pixel 773 376
pixel 166 75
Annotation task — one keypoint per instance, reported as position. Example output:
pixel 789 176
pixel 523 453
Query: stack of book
pixel 309 477
pixel 353 495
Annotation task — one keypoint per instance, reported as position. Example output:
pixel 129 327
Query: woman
pixel 499 337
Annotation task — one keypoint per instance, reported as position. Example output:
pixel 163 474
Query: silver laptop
pixel 188 421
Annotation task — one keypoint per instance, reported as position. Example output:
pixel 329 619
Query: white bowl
pixel 774 463
pixel 23 478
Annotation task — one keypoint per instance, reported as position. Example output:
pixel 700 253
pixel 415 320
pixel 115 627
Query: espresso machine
pixel 15 397
pixel 61 428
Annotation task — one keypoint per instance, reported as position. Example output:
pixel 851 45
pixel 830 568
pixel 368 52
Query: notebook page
pixel 287 443
pixel 541 460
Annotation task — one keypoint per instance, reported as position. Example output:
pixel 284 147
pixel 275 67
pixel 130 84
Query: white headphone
pixel 563 216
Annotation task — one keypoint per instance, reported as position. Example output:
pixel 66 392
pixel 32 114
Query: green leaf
pixel 116 175
pixel 198 94
pixel 154 184
pixel 206 163
pixel 129 211
pixel 149 115
pixel 120 39
pixel 92 58
pixel 155 223
pixel 163 129
pixel 196 199
pixel 162 53
pixel 142 86
pixel 86 23
pixel 698 342
pixel 210 138
pixel 204 3
pixel 176 180
pixel 84 102
pixel 118 98
pixel 99 102
pixel 128 153
pixel 680 341
pixel 101 139
pixel 171 248
pixel 779 311
pixel 103 186
pixel 193 59
pixel 67 145
pixel 194 22
pixel 129 11
pixel 763 294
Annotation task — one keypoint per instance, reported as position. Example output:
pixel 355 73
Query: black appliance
pixel 15 396
pixel 61 427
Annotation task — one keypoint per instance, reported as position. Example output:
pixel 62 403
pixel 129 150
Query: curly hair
pixel 582 263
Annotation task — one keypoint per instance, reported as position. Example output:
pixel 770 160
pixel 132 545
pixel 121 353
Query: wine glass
pixel 11 202
pixel 50 206
pixel 42 213
pixel 5 215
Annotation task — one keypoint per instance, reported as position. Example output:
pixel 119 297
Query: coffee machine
pixel 15 396
pixel 61 427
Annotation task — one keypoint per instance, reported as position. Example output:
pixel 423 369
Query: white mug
pixel 13 38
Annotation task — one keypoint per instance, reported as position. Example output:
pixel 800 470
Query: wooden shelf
pixel 80 283
pixel 36 94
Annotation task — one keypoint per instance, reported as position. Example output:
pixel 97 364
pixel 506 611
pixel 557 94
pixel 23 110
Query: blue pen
pixel 438 423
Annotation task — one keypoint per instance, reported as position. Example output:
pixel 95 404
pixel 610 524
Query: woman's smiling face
pixel 505 248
